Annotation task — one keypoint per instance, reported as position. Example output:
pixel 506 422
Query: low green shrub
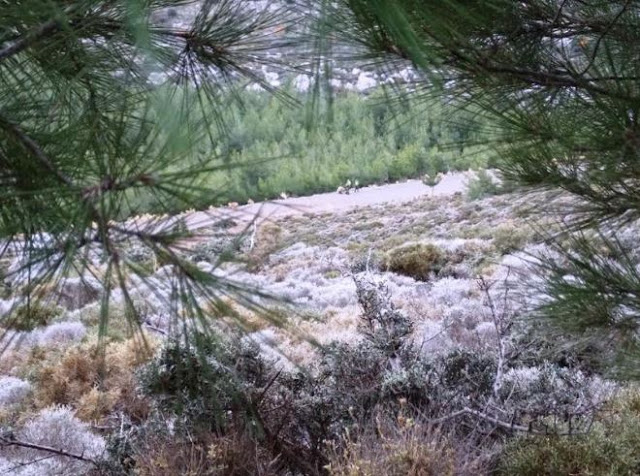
pixel 610 448
pixel 419 261
pixel 600 452
pixel 205 382
pixel 482 185
pixel 485 185
pixel 507 238
pixel 28 317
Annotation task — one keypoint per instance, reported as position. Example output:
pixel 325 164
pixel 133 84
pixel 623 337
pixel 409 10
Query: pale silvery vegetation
pixel 388 339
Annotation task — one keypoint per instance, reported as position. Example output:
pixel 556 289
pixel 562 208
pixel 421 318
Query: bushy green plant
pixel 507 238
pixel 204 382
pixel 467 372
pixel 610 449
pixel 482 185
pixel 29 316
pixel 419 261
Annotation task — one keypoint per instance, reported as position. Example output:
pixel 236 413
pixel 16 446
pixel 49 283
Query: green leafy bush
pixel 482 185
pixel 419 261
pixel 609 448
pixel 28 317
pixel 507 238
pixel 204 383
pixel 612 451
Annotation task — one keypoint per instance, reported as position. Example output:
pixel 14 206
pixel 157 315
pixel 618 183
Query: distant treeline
pixel 356 137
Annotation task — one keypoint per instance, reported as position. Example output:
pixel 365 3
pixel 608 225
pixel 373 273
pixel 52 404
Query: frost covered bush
pixel 463 374
pixel 609 448
pixel 13 390
pixel 75 293
pixel 57 428
pixel 215 249
pixel 449 291
pixel 137 253
pixel 369 262
pixel 508 237
pixel 386 327
pixel 339 294
pixel 548 390
pixel 59 333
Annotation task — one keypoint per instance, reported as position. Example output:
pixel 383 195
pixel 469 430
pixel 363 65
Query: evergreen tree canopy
pixel 102 102
pixel 559 81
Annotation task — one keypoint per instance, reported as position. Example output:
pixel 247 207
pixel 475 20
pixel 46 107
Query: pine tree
pixel 558 83
pixel 104 106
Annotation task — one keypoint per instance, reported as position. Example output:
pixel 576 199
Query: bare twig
pixel 156 329
pixel 252 241
pixel 496 421
pixel 25 444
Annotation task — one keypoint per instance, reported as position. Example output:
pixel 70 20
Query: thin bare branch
pixel 25 444
pixel 25 42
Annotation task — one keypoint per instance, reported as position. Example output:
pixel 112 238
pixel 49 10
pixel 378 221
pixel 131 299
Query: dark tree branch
pixel 496 421
pixel 25 42
pixel 33 147
pixel 601 37
pixel 24 444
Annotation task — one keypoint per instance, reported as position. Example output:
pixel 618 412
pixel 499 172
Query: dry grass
pixel 93 384
pixel 403 447
pixel 234 454
pixel 268 239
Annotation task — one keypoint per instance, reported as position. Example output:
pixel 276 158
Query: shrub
pixel 60 333
pixel 56 427
pixel 203 383
pixel 28 317
pixel 609 448
pixel 482 185
pixel 369 261
pixel 507 238
pixel 384 326
pixel 268 240
pixel 403 447
pixel 467 373
pixel 13 390
pixel 599 452
pixel 419 261
pixel 222 456
pixel 71 379
pixel 405 163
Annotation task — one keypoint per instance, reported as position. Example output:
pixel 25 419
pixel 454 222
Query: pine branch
pixel 35 150
pixel 30 38
pixel 594 54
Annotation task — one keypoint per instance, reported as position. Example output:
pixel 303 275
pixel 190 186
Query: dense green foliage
pixel 611 448
pixel 367 139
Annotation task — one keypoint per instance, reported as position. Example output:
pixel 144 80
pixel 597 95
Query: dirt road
pixel 331 202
